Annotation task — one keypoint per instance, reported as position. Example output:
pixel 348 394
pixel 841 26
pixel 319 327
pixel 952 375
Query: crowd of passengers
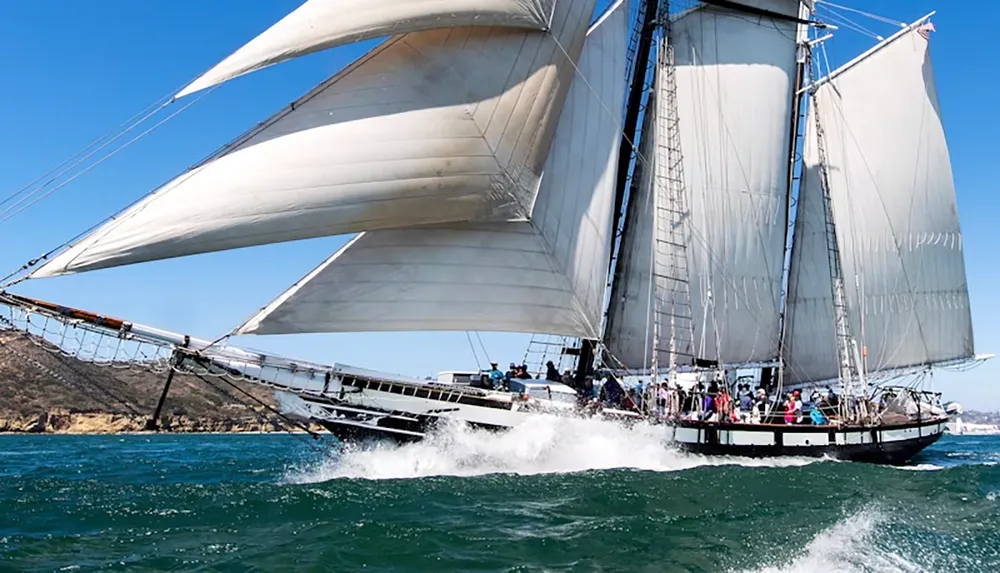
pixel 721 403
pixel 496 379
pixel 715 403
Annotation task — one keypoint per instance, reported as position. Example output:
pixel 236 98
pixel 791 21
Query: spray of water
pixel 850 545
pixel 545 444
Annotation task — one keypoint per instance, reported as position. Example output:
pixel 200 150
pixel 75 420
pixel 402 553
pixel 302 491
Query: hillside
pixel 41 391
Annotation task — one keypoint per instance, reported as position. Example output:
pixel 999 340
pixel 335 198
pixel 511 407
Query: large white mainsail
pixel 735 82
pixel 322 24
pixel 545 275
pixel 734 76
pixel 896 218
pixel 431 127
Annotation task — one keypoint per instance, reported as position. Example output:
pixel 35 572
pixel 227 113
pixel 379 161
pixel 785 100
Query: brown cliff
pixel 45 392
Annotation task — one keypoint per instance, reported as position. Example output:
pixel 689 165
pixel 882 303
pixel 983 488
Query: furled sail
pixel 322 24
pixel 544 275
pixel 432 127
pixel 896 219
pixel 735 78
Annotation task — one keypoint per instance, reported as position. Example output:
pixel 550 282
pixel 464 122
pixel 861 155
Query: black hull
pixel 890 444
pixel 892 453
pixel 349 433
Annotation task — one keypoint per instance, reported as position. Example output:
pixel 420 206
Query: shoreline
pixel 160 433
pixel 59 421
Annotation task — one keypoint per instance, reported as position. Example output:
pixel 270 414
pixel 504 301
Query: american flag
pixel 925 30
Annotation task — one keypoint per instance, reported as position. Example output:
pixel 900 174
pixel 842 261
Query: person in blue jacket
pixel 496 377
pixel 817 417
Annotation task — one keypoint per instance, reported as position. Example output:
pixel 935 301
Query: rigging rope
pixel 124 128
pixel 483 346
pixel 825 4
pixel 846 22
pixel 277 413
pixel 11 211
pixel 473 347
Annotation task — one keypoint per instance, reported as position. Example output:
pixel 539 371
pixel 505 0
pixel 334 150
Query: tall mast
pixel 627 149
pixel 846 348
pixel 648 11
pixel 670 239
pixel 798 117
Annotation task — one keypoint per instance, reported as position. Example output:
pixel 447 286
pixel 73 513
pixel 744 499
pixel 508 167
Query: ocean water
pixel 558 495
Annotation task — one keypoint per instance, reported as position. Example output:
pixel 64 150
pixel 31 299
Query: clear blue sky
pixel 75 70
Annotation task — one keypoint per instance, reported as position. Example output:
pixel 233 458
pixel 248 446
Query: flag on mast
pixel 925 30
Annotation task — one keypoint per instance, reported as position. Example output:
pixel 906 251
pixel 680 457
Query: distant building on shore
pixel 959 428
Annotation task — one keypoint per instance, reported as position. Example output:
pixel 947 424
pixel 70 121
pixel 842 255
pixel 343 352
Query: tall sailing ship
pixel 683 193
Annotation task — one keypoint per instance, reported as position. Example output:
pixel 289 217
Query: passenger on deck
pixel 496 377
pixel 708 403
pixel 724 405
pixel 662 397
pixel 817 417
pixel 834 401
pixel 759 407
pixel 790 409
pixel 552 373
pixel 677 395
pixel 511 372
pixel 798 406
pixel 746 404
pixel 522 373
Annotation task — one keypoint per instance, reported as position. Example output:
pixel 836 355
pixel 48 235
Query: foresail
pixel 735 79
pixel 896 218
pixel 322 24
pixel 432 127
pixel 544 275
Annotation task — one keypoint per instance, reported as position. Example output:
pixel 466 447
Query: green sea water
pixel 557 495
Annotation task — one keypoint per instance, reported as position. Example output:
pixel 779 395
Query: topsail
pixel 897 222
pixel 433 127
pixel 322 24
pixel 546 274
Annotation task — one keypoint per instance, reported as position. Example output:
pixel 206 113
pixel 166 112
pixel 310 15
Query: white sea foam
pixel 920 468
pixel 542 445
pixel 849 546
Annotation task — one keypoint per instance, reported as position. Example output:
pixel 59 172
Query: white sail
pixel 322 24
pixel 628 334
pixel 896 219
pixel 810 349
pixel 735 80
pixel 544 275
pixel 432 127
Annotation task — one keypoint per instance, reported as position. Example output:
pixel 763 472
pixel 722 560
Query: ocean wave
pixel 850 545
pixel 543 445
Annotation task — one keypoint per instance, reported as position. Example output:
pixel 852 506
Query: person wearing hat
pixel 496 377
pixel 759 407
pixel 797 398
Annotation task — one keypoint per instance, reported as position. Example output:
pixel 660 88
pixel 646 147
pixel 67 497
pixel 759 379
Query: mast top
pixel 867 54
